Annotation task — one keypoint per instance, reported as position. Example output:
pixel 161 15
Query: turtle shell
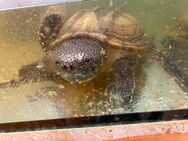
pixel 115 28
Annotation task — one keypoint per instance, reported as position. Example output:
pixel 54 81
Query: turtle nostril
pixel 67 68
pixel 87 60
pixel 71 67
pixel 64 67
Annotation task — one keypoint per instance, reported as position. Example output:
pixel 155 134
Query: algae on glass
pixel 19 45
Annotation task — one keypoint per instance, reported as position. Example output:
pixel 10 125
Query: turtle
pixel 87 44
pixel 174 50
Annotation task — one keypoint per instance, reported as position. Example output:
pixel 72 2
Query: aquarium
pixel 93 62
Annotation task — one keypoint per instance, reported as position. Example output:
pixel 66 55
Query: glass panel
pixel 97 62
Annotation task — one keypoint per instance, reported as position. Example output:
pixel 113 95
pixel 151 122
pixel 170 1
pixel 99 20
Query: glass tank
pixel 99 61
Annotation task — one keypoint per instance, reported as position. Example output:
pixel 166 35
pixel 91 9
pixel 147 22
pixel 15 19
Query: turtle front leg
pixel 51 23
pixel 32 72
pixel 124 85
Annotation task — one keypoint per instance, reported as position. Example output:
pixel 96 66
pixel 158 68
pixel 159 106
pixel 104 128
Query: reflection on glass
pixel 61 61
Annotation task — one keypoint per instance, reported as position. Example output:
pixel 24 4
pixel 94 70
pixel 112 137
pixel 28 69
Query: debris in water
pixel 61 86
pixel 52 93
pixel 110 3
pixel 40 65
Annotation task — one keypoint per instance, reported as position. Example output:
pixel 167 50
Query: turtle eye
pixel 57 63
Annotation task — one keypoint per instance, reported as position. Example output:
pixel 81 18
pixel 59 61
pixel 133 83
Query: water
pixel 19 46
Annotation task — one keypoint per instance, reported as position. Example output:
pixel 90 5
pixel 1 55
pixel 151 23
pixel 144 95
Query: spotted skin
pixel 49 29
pixel 78 59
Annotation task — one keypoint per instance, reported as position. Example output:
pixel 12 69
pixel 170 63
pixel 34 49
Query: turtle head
pixel 78 59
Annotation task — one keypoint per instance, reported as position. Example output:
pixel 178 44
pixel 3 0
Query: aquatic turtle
pixel 174 52
pixel 87 44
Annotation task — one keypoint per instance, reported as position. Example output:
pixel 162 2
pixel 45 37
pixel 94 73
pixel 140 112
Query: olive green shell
pixel 115 28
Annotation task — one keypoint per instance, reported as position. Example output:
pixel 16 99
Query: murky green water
pixel 19 46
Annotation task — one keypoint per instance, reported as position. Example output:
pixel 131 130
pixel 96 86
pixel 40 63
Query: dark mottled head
pixel 78 59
